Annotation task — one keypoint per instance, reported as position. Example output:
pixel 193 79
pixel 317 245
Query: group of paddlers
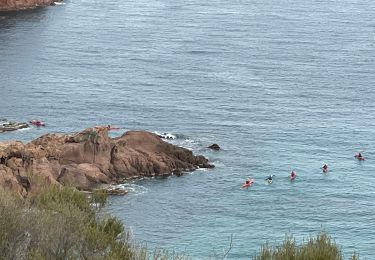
pixel 292 176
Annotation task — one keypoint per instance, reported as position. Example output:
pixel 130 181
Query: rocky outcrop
pixel 215 147
pixel 91 158
pixel 13 5
pixel 7 126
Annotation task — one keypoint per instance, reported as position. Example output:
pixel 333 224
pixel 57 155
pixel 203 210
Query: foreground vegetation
pixel 62 223
pixel 321 247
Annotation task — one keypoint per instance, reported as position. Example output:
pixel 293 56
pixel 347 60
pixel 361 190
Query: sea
pixel 280 85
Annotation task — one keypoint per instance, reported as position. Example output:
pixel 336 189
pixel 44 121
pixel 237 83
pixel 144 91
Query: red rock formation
pixel 90 158
pixel 11 5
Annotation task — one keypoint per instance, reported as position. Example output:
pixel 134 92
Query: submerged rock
pixel 90 158
pixel 215 147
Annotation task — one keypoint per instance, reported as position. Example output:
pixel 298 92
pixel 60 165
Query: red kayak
pixel 37 123
pixel 247 184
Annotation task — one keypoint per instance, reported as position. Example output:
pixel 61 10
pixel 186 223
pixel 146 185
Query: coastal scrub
pixel 321 247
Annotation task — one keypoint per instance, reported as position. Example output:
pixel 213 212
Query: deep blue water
pixel 278 84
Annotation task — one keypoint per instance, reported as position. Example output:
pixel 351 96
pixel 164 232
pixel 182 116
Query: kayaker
pixel 269 178
pixel 37 123
pixel 248 183
pixel 293 175
pixel 325 167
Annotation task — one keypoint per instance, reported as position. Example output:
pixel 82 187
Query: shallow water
pixel 279 85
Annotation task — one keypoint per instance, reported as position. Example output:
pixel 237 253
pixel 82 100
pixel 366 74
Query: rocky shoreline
pixel 89 159
pixel 16 5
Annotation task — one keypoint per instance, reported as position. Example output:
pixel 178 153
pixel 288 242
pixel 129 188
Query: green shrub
pixel 12 235
pixel 58 224
pixel 55 196
pixel 99 197
pixel 321 247
pixel 111 226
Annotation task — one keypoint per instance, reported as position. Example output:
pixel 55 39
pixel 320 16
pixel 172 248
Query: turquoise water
pixel 280 85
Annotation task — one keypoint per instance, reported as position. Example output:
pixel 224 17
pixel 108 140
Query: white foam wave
pixel 24 129
pixel 133 188
pixel 218 163
pixel 167 136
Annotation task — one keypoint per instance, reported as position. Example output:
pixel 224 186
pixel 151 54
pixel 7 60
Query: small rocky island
pixel 15 5
pixel 89 159
pixel 7 126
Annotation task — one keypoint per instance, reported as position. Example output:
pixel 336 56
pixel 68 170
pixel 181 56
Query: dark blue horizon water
pixel 280 85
